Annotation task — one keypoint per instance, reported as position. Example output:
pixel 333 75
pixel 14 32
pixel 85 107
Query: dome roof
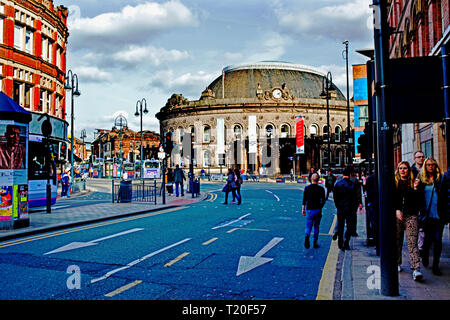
pixel 241 81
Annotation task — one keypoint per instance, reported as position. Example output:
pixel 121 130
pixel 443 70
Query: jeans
pixel 233 191
pixel 177 184
pixel 433 236
pixel 313 218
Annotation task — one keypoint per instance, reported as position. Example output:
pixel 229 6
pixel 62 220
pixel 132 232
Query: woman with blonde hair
pixel 406 204
pixel 430 179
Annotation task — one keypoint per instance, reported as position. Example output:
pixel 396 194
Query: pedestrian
pixel 311 171
pixel 358 185
pixel 170 181
pixel 330 180
pixel 291 173
pixel 419 158
pixel 230 186
pixel 345 195
pixel 407 201
pixel 178 178
pixel 430 179
pixel 64 183
pixel 69 186
pixel 313 202
pixel 239 182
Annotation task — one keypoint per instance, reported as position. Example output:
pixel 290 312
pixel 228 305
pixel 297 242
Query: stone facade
pixel 251 91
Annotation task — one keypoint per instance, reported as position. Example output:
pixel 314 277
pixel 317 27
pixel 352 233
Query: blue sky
pixel 123 51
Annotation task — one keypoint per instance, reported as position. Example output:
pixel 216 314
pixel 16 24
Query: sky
pixel 123 51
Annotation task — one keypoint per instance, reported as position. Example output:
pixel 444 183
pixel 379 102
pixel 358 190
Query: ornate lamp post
pixel 119 123
pixel 72 85
pixel 83 136
pixel 349 139
pixel 327 84
pixel 139 112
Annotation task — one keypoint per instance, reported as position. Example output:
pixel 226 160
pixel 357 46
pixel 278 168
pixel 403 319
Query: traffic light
pixel 62 152
pixel 168 143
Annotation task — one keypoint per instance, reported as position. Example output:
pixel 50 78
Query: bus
pixel 152 168
pixel 129 169
pixel 39 170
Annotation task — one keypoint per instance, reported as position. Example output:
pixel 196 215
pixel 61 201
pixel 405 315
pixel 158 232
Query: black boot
pixel 307 242
pixel 346 244
pixel 315 245
pixel 425 260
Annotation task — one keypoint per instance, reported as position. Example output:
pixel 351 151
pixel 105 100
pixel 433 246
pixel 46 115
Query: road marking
pixel 231 222
pixel 278 199
pixel 326 284
pixel 248 229
pixel 58 233
pixel 181 256
pixel 78 245
pixel 249 263
pixel 135 262
pixel 122 289
pixel 209 241
pixel 232 230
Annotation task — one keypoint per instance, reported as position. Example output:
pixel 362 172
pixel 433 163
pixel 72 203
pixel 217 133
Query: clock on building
pixel 276 93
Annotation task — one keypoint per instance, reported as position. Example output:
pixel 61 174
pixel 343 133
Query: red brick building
pixel 33 37
pixel 421 28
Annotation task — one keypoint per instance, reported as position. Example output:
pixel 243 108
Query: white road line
pixel 135 262
pixel 231 222
pixel 278 199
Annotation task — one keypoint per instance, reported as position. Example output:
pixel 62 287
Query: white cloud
pixel 130 25
pixel 93 74
pixel 330 21
pixel 190 84
pixel 143 54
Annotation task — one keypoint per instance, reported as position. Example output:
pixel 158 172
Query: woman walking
pixel 430 179
pixel 407 201
pixel 230 186
pixel 239 182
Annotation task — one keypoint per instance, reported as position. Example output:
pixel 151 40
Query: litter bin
pixel 196 187
pixel 125 191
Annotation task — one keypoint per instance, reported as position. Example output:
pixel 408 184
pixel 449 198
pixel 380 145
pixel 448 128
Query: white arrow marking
pixel 135 262
pixel 278 199
pixel 78 245
pixel 249 263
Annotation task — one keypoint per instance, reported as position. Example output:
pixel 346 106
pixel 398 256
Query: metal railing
pixel 138 190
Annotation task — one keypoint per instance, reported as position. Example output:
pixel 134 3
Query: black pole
pixel 49 187
pixel 328 83
pixel 446 101
pixel 349 143
pixel 385 163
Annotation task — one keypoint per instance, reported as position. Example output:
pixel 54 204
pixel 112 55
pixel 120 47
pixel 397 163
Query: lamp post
pixel 326 88
pixel 119 123
pixel 72 85
pixel 349 140
pixel 139 105
pixel 83 136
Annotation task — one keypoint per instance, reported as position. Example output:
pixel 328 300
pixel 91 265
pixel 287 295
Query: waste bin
pixel 196 187
pixel 125 191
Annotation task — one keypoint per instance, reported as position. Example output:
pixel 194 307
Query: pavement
pixel 348 275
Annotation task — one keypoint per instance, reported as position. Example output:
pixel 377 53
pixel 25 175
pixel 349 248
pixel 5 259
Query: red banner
pixel 300 136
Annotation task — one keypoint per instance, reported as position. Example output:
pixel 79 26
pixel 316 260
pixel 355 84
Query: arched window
pixel 285 131
pixel 337 134
pixel 237 131
pixel 269 131
pixel 313 130
pixel 207 134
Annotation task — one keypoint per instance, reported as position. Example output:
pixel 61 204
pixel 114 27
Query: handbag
pixel 423 217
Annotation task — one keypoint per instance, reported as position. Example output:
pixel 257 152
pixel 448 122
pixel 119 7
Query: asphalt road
pixel 204 251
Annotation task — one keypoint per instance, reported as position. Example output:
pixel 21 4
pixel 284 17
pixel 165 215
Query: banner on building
pixel 252 137
pixel 299 136
pixel 220 136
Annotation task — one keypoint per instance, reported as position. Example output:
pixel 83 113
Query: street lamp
pixel 72 85
pixel 120 122
pixel 349 140
pixel 138 113
pixel 327 83
pixel 83 136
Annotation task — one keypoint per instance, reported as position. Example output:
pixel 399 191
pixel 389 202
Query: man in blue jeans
pixel 313 202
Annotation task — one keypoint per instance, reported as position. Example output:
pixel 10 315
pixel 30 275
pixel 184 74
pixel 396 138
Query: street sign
pixel 161 148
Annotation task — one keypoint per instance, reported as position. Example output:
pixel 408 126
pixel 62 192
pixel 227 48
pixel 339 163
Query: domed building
pixel 246 118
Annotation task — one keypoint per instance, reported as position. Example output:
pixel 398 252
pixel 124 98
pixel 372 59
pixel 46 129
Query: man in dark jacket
pixel 313 202
pixel 345 198
pixel 178 178
pixel 330 180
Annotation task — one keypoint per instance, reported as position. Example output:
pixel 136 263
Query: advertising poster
pixel 22 201
pixel 6 205
pixel 300 136
pixel 13 153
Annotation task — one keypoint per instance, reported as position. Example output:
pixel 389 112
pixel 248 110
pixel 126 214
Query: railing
pixel 138 190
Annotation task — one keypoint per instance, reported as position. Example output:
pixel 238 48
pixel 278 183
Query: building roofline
pixel 274 65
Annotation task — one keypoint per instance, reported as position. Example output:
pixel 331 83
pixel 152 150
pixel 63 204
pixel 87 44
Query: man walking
pixel 419 158
pixel 178 177
pixel 313 202
pixel 345 198
pixel 329 183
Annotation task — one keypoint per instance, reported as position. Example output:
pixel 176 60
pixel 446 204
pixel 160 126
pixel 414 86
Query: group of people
pixel 421 201
pixel 66 181
pixel 233 185
pixel 175 177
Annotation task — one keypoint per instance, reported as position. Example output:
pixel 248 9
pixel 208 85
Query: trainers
pixel 399 269
pixel 417 275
